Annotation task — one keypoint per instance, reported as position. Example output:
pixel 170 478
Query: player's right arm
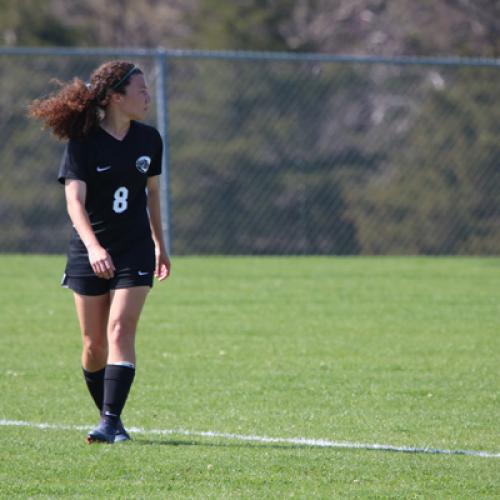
pixel 100 260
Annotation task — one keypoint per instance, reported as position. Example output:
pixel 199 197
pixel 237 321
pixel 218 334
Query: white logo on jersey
pixel 142 164
pixel 103 169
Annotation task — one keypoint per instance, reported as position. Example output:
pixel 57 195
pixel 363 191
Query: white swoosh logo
pixel 142 273
pixel 103 169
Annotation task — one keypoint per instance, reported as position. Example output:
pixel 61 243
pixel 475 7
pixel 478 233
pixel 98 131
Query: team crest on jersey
pixel 142 164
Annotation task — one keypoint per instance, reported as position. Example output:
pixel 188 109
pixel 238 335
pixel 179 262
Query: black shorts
pixel 92 285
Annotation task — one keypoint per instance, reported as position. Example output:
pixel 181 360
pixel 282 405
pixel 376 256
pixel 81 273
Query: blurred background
pixel 354 127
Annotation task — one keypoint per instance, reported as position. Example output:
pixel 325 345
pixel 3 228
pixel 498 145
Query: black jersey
pixel 115 173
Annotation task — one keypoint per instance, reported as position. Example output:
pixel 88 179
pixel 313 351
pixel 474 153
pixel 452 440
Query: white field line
pixel 318 443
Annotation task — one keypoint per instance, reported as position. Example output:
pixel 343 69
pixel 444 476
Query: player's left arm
pixel 163 265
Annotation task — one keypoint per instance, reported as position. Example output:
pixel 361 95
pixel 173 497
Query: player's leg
pixel 125 309
pixel 93 312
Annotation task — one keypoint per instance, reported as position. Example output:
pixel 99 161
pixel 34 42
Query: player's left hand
pixel 163 265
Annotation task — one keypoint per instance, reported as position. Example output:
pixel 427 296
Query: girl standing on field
pixel 110 170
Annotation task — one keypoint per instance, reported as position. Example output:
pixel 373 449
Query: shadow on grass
pixel 298 446
pixel 184 442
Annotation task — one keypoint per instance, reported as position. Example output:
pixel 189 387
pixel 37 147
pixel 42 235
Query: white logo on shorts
pixel 142 273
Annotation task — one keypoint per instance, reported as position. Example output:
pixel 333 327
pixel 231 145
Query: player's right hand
pixel 101 262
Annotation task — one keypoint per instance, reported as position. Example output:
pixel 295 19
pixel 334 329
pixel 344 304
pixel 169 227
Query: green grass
pixel 400 351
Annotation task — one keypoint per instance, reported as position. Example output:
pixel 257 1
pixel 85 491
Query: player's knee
pixel 121 329
pixel 95 348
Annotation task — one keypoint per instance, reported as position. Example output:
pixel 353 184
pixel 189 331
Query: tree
pixel 247 25
pixel 438 195
pixel 34 23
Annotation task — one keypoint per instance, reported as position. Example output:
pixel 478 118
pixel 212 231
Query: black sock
pixel 117 382
pixel 95 385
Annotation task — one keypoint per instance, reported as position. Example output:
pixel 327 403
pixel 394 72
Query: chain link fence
pixel 280 154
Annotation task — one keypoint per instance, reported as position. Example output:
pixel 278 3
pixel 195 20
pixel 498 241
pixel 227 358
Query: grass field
pixel 397 351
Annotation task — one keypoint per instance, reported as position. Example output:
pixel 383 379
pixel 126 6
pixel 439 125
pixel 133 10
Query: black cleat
pixel 121 434
pixel 103 433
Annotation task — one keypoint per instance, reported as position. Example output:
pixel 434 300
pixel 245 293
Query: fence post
pixel 161 70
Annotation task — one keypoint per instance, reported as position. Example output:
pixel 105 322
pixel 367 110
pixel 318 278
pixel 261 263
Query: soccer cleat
pixel 105 432
pixel 121 434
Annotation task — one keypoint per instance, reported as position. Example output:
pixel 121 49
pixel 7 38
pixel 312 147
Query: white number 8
pixel 121 196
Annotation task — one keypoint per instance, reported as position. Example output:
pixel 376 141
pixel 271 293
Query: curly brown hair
pixel 76 109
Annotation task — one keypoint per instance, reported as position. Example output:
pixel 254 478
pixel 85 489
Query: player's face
pixel 135 102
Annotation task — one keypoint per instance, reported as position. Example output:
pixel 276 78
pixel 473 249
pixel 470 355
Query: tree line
pixel 294 158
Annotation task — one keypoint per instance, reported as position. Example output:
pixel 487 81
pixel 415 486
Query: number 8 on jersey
pixel 120 203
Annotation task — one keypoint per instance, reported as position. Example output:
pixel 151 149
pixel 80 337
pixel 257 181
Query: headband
pixel 124 78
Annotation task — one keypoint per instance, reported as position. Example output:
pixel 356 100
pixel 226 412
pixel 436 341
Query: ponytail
pixel 72 113
pixel 78 108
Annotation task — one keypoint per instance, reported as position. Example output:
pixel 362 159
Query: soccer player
pixel 110 170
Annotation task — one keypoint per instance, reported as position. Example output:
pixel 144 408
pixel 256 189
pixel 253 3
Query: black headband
pixel 124 78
